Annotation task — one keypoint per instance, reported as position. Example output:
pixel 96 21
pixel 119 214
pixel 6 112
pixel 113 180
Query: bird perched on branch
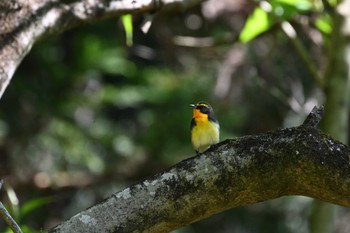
pixel 205 128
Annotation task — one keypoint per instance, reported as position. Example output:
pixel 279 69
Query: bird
pixel 205 128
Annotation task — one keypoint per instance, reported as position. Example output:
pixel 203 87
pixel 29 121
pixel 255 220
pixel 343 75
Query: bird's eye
pixel 203 109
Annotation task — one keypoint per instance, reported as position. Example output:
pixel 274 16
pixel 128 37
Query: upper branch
pixel 236 172
pixel 22 23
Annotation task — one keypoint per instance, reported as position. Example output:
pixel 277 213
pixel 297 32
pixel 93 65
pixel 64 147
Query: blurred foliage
pixel 86 116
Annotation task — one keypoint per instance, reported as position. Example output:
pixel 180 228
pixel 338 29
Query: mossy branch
pixel 236 172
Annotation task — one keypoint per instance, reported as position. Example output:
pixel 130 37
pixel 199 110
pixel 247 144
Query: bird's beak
pixel 192 105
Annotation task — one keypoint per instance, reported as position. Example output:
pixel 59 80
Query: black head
pixel 203 107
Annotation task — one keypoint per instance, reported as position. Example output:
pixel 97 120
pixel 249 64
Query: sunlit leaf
pixel 127 23
pixel 323 24
pixel 333 2
pixel 260 20
pixel 286 9
pixel 257 23
pixel 301 5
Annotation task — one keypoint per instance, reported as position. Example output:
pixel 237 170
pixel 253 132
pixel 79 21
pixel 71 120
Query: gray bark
pixel 294 161
pixel 337 89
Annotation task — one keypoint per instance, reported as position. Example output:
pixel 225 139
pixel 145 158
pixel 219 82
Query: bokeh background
pixel 86 115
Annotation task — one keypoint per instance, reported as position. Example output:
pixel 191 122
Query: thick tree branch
pixel 22 23
pixel 236 172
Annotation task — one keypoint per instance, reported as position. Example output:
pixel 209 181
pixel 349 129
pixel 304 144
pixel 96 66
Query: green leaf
pixel 257 23
pixel 34 204
pixel 260 20
pixel 301 5
pixel 128 27
pixel 287 9
pixel 323 24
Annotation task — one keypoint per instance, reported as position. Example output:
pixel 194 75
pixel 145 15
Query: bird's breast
pixel 205 134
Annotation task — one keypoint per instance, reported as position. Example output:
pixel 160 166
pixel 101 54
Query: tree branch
pixel 7 217
pixel 236 172
pixel 25 22
pixel 314 118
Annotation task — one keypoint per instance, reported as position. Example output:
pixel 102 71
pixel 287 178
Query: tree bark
pixel 337 105
pixel 24 22
pixel 236 172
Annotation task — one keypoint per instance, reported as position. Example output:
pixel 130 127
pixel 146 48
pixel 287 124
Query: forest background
pixel 101 106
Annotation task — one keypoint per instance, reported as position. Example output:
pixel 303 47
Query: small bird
pixel 205 128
